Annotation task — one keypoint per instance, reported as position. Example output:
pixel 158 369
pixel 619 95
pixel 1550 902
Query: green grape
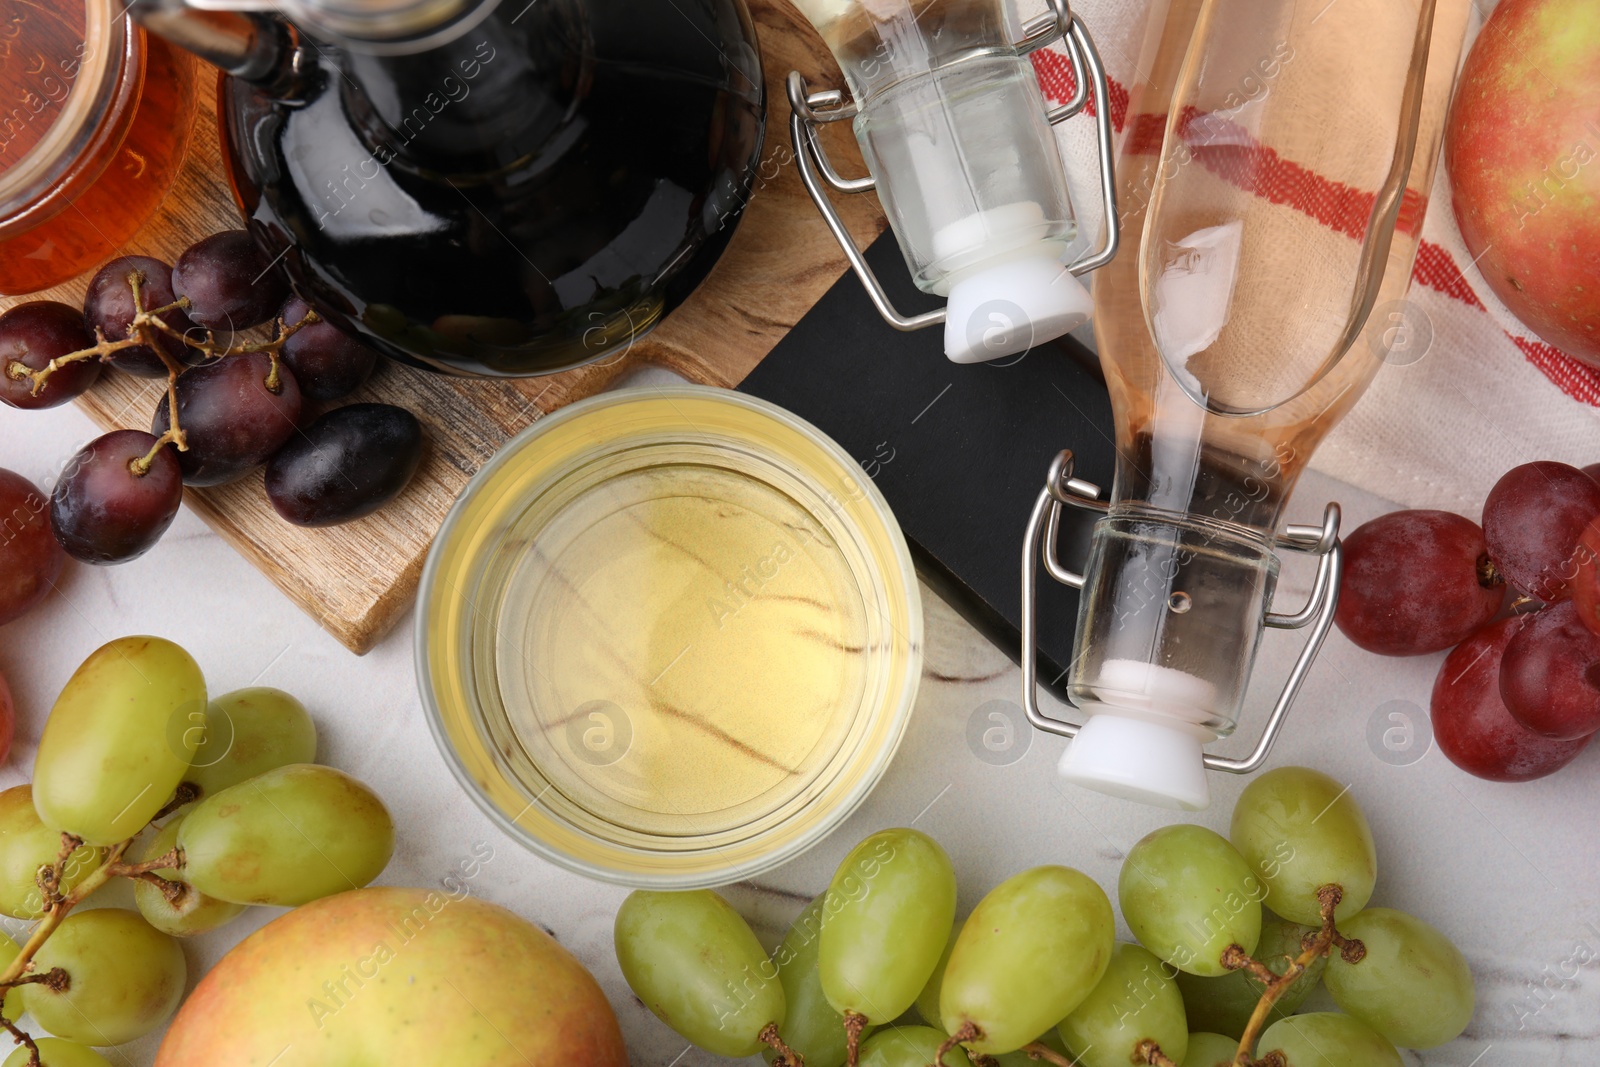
pixel 115 747
pixel 1210 1050
pixel 810 1025
pixel 54 1052
pixel 124 978
pixel 697 965
pixel 927 1004
pixel 1224 1005
pixel 12 1007
pixel 1049 1039
pixel 1413 986
pixel 26 844
pixel 286 837
pixel 1136 1001
pixel 907 1046
pixel 890 908
pixel 1031 951
pixel 1328 1039
pixel 1300 830
pixel 249 732
pixel 194 913
pixel 1188 896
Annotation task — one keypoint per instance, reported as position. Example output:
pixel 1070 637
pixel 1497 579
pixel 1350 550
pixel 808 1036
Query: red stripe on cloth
pixel 1236 158
pixel 1578 380
pixel 1060 82
pixel 1436 268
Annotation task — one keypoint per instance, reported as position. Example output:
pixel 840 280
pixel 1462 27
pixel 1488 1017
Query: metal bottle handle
pixel 1062 489
pixel 810 109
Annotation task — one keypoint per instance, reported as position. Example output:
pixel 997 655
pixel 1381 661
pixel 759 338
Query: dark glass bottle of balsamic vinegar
pixel 526 189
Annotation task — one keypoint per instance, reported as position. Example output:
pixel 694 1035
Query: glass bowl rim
pixel 875 763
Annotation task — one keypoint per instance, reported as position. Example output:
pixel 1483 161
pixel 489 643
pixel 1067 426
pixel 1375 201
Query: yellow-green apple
pixel 396 976
pixel 1524 161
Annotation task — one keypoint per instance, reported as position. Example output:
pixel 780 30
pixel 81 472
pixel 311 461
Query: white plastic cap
pixel 1010 307
pixel 1138 760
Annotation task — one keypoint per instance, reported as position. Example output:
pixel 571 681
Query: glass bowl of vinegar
pixel 669 637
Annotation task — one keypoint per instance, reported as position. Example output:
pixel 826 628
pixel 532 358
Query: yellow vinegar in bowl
pixel 670 637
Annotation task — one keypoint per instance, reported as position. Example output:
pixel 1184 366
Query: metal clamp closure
pixel 811 109
pixel 1039 543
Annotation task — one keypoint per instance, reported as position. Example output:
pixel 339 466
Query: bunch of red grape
pixel 1519 601
pixel 238 405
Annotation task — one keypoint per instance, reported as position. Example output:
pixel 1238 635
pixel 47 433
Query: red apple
pixel 1524 159
pixel 396 976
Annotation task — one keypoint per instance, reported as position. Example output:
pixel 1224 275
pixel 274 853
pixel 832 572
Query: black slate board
pixel 960 452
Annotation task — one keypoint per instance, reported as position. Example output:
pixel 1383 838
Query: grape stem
pixel 967 1031
pixel 60 906
pixel 144 331
pixel 787 1057
pixel 186 793
pixel 173 891
pixel 20 1036
pixel 1147 1051
pixel 172 859
pixel 854 1023
pixel 1314 947
pixel 55 978
pixel 1234 958
pixel 1037 1051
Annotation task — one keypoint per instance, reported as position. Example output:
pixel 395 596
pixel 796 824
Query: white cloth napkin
pixel 1487 395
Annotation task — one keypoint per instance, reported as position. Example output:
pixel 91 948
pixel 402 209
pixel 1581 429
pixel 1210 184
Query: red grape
pixel 108 307
pixel 1550 677
pixel 8 719
pixel 229 283
pixel 231 421
pixel 329 363
pixel 33 334
pixel 30 559
pixel 103 512
pixel 1415 582
pixel 1585 585
pixel 347 464
pixel 1474 728
pixel 1533 519
pixel 1593 471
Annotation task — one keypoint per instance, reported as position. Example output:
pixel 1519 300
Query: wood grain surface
pixel 358 580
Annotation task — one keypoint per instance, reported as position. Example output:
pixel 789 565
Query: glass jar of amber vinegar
pixel 95 119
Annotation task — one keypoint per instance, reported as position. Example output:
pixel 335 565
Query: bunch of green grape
pixel 134 766
pixel 1299 851
pixel 879 961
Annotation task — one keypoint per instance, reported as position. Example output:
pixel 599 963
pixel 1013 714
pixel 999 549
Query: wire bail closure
pixel 810 109
pixel 1062 489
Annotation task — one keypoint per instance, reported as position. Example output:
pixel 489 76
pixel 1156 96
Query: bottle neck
pixel 1172 614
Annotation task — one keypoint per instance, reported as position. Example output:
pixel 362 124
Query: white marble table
pixel 1512 873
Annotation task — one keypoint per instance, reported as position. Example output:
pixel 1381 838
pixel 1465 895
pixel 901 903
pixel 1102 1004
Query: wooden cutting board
pixel 360 578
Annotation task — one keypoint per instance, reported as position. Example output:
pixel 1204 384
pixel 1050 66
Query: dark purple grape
pixel 1475 729
pixel 108 307
pixel 229 283
pixel 329 363
pixel 1593 471
pixel 1532 521
pixel 102 511
pixel 1550 677
pixel 231 421
pixel 30 558
pixel 347 464
pixel 1416 582
pixel 33 334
